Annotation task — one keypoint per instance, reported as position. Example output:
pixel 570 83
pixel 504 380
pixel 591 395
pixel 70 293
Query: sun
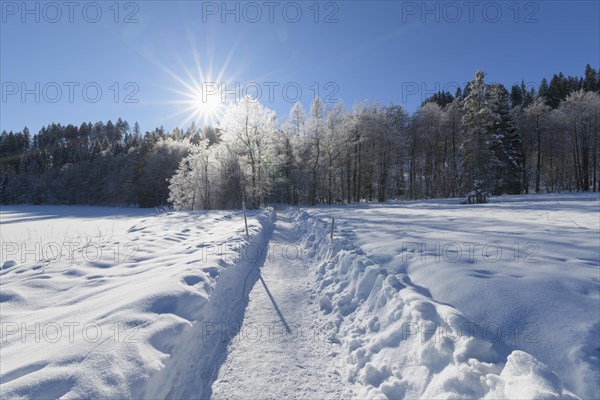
pixel 208 104
pixel 200 94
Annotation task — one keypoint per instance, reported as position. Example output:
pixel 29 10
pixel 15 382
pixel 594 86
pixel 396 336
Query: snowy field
pixel 426 299
pixel 523 269
pixel 95 300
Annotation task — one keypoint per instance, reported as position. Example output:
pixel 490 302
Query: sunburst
pixel 202 93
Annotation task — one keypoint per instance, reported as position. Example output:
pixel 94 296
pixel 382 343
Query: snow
pixel 284 349
pixel 424 299
pixel 100 323
pixel 441 320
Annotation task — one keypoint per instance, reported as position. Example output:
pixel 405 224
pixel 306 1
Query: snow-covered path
pixel 283 349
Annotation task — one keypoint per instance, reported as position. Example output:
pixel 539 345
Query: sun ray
pixel 199 105
pixel 198 88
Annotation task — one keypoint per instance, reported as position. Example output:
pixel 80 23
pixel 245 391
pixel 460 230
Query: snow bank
pixel 400 343
pixel 122 315
pixel 199 351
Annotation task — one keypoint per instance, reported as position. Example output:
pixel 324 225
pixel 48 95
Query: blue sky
pixel 145 57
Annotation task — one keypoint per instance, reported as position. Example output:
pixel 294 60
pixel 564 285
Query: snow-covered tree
pixel 315 130
pixel 189 187
pixel 478 121
pixel 370 152
pixel 453 122
pixel 247 130
pixel 534 124
pixel 332 147
pixel 289 151
pixel 505 143
pixel 427 142
pixel 580 117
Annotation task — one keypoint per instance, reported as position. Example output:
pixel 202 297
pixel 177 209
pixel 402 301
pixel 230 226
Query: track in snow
pixel 283 349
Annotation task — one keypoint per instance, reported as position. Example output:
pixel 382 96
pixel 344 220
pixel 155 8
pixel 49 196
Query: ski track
pixel 283 349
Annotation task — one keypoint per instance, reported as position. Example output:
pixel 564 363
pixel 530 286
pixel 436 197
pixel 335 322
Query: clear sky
pixel 160 62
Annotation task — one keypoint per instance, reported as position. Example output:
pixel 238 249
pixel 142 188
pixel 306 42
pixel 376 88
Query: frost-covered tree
pixel 332 147
pixel 534 124
pixel 189 188
pixel 358 127
pixel 392 184
pixel 453 124
pixel 290 152
pixel 315 130
pixel 428 152
pixel 367 153
pixel 579 115
pixel 247 130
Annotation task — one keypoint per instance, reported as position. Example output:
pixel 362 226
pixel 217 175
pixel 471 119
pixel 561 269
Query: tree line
pixel 95 164
pixel 484 137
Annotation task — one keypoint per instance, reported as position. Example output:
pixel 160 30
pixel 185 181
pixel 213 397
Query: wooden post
pixel 245 218
pixel 332 224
